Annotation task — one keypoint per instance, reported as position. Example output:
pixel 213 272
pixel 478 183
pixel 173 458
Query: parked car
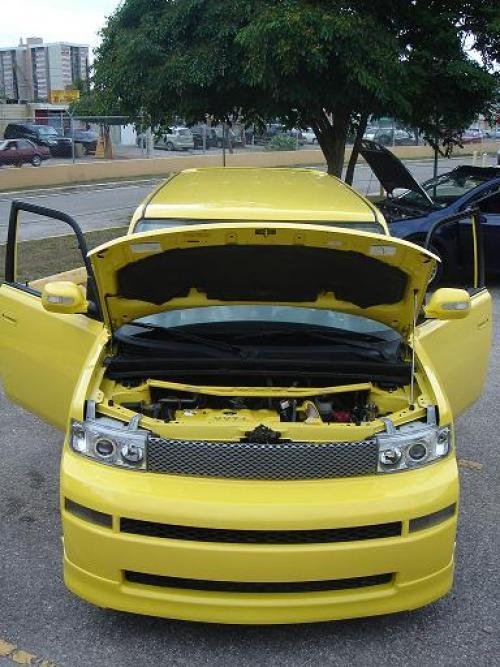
pixel 413 210
pixel 493 133
pixel 176 138
pixel 20 151
pixel 471 136
pixel 41 135
pixel 309 136
pixel 246 440
pixel 87 138
pixel 388 136
pixel 199 131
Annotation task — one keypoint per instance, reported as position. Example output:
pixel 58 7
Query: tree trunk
pixel 360 131
pixel 332 139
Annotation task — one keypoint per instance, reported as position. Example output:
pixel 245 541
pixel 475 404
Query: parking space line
pixel 21 656
pixel 471 465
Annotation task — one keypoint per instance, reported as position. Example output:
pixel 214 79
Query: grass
pixel 44 257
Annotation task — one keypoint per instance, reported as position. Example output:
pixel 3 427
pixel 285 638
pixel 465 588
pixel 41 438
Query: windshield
pixel 47 131
pixel 445 189
pixel 275 315
pixel 151 224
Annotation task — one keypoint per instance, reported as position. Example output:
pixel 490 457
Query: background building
pixel 35 71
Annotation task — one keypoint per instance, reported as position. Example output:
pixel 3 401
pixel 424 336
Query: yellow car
pixel 258 412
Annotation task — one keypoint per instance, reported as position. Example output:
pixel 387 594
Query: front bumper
pixel 97 557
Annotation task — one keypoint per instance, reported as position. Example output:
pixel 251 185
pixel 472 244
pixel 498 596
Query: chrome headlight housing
pixel 110 441
pixel 412 445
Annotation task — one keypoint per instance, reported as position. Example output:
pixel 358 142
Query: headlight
pixel 411 446
pixel 110 441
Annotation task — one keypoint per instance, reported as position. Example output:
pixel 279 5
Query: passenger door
pixel 43 354
pixel 490 210
pixel 459 350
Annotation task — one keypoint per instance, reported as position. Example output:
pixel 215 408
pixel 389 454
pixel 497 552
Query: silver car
pixel 176 139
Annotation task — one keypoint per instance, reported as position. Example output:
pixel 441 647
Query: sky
pixel 53 20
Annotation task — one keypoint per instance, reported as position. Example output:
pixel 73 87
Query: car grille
pixel 322 535
pixel 257 587
pixel 244 460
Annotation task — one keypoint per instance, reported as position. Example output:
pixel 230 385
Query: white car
pixel 176 139
pixel 308 136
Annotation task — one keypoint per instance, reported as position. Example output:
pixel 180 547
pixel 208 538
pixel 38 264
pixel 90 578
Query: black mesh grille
pixel 243 460
pixel 151 529
pixel 257 587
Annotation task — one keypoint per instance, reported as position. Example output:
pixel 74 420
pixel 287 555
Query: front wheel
pixel 169 146
pixel 36 160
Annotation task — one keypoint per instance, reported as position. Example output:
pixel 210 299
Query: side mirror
pixel 63 297
pixel 448 303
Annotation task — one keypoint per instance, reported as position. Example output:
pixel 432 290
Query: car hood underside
pixel 288 263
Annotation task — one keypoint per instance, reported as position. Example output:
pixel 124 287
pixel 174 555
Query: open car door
pixel 459 349
pixel 43 354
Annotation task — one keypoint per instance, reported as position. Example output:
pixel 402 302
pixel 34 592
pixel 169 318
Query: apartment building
pixel 32 71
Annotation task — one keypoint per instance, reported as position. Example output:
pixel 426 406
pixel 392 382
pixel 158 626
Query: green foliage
pixel 306 62
pixel 282 142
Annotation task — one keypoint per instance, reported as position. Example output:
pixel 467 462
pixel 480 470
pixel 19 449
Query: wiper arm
pixel 191 338
pixel 351 339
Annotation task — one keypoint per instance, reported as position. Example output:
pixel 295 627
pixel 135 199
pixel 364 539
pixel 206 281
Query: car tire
pixel 36 160
pixel 169 146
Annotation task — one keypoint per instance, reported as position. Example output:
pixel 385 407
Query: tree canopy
pixel 313 63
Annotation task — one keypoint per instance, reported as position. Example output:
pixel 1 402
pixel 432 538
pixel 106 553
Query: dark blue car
pixel 411 214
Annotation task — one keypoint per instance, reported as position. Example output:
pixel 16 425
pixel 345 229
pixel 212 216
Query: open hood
pixel 390 171
pixel 287 264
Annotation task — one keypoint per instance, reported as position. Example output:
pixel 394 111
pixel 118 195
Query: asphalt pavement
pixel 100 205
pixel 42 623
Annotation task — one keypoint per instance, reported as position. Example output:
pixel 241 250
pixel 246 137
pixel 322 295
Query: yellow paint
pixel 42 354
pixel 472 465
pixel 6 648
pixel 259 194
pixel 110 257
pixel 52 364
pixel 22 657
pixel 259 391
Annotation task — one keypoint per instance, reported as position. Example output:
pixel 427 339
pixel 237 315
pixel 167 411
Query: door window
pixel 44 245
pixel 490 204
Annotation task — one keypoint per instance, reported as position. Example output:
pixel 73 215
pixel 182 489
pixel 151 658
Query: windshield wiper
pixel 190 338
pixel 362 340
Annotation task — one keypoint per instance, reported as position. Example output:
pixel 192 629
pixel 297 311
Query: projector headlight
pixel 412 446
pixel 110 441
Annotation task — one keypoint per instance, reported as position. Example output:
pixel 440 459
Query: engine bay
pixel 255 414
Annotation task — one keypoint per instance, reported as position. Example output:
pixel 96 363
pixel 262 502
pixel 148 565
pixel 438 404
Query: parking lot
pixel 42 623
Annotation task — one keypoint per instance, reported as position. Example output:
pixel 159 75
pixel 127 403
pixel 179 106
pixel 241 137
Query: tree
pixel 320 64
pixel 97 106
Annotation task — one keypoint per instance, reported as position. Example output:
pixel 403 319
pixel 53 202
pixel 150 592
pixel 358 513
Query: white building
pixel 32 71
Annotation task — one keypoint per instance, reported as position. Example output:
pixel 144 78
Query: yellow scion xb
pixel 258 396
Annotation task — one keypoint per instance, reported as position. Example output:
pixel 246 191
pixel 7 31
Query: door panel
pixel 42 354
pixel 459 352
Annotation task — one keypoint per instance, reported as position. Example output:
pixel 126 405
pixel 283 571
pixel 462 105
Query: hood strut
pixel 413 327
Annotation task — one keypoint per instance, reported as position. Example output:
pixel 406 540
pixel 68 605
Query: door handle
pixel 9 318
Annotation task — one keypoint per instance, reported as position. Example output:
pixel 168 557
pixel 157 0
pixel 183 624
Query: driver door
pixel 459 350
pixel 43 354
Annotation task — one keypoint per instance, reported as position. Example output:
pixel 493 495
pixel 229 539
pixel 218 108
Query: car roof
pixel 273 194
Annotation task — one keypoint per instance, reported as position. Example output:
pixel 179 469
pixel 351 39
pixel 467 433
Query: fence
pixel 84 139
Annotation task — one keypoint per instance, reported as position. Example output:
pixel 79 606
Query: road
pixel 96 206
pixel 41 618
